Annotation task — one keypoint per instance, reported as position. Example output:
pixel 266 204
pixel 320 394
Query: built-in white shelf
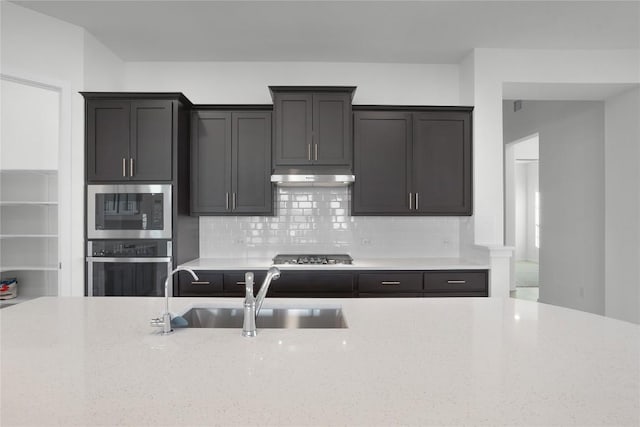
pixel 28 203
pixel 18 268
pixel 29 232
pixel 20 236
pixel 13 301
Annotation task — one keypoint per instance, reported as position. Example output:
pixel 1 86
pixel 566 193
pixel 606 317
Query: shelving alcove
pixel 29 232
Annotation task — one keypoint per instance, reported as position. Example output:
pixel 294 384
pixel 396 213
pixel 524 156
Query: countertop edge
pixel 223 264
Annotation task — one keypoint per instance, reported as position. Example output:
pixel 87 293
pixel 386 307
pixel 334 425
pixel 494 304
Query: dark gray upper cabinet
pixel 129 139
pixel 412 161
pixel 231 163
pixel 441 163
pixel 382 145
pixel 210 162
pixel 312 126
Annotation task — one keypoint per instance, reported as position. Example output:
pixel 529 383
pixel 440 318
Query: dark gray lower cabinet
pixel 231 163
pixel 339 284
pixel 235 284
pixel 390 282
pixel 456 283
pixel 209 284
pixel 313 284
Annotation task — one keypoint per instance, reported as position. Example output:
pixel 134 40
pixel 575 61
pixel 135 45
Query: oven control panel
pixel 129 248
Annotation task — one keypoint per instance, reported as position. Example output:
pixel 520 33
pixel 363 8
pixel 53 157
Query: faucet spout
pixel 272 274
pixel 165 321
pixel 253 304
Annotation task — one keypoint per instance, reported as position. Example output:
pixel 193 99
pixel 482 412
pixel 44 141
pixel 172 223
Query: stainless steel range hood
pixel 312 180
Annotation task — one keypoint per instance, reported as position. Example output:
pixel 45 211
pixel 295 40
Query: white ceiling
pixel 345 31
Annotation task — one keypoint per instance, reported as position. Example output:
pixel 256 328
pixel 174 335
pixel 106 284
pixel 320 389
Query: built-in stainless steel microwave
pixel 129 211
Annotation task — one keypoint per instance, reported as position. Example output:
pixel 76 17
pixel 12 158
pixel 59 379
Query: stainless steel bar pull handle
pixel 417 202
pixel 226 201
pixel 130 167
pixel 124 167
pixel 456 282
pixel 316 151
pixel 233 205
pixel 389 283
pixel 241 283
pixel 200 283
pixel 308 151
pixel 410 201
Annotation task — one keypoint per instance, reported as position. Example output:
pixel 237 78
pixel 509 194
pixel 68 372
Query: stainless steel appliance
pixel 313 259
pixel 128 267
pixel 313 180
pixel 129 211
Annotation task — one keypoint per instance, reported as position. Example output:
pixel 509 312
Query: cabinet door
pixel 151 137
pixel 332 129
pixel 304 284
pixel 251 186
pixel 442 163
pixel 293 144
pixel 210 162
pixel 381 149
pixel 108 125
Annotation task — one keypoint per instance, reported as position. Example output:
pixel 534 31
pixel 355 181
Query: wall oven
pixel 129 211
pixel 128 267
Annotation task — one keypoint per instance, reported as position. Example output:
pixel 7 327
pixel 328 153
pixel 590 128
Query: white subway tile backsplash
pixel 317 220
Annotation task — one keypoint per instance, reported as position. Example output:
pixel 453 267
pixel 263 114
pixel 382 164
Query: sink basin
pixel 292 318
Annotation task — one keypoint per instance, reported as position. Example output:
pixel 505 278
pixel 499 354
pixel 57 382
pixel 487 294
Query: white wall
pixel 622 218
pixel 520 180
pixel 532 171
pixel 526 185
pixel 103 70
pixel 30 125
pixel 571 144
pixel 43 49
pixel 492 69
pixel 247 82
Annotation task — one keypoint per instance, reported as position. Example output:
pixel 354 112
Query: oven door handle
pixel 128 259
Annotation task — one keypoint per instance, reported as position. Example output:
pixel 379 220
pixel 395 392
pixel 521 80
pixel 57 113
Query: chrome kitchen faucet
pixel 252 305
pixel 165 321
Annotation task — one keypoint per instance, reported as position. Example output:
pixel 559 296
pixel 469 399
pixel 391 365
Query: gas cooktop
pixel 314 259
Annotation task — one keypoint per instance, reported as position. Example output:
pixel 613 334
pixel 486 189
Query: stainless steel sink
pixel 292 318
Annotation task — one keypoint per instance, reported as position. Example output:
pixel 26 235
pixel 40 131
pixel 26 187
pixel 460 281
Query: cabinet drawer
pixel 456 281
pixel 208 284
pixel 312 284
pixel 390 295
pixel 234 283
pixel 390 282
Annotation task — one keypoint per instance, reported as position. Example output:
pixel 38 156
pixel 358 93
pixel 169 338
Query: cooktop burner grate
pixel 315 259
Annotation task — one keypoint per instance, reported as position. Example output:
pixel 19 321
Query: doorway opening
pixel 523 209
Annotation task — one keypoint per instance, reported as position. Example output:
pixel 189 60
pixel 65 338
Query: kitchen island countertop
pixel 426 263
pixel 424 361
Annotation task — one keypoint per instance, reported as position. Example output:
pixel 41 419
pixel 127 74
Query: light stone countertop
pixel 358 264
pixel 423 361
